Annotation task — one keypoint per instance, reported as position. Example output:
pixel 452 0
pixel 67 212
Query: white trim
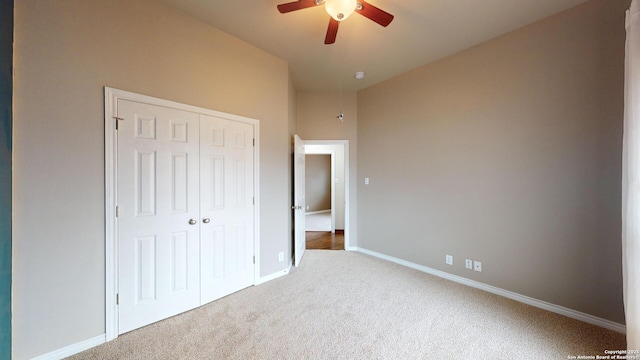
pixel 122 94
pixel 347 197
pixel 111 226
pixel 111 265
pixel 577 315
pixel 275 275
pixel 333 192
pixel 73 349
pixel 256 206
pixel 317 212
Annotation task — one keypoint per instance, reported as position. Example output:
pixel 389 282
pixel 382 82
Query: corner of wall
pixel 6 93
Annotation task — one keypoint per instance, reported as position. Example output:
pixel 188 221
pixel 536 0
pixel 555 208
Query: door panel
pixel 226 183
pixel 145 182
pixel 158 250
pixel 145 268
pixel 179 182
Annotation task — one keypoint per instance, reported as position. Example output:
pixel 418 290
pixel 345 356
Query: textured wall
pixel 508 153
pixel 65 53
pixel 6 82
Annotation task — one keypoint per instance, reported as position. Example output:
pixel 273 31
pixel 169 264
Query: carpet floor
pixel 347 305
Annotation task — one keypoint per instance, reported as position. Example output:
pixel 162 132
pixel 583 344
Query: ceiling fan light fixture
pixel 340 9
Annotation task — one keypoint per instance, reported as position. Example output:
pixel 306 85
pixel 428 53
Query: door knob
pixel 206 220
pixel 192 221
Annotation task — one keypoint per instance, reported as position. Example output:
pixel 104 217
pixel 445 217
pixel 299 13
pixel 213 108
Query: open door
pixel 298 200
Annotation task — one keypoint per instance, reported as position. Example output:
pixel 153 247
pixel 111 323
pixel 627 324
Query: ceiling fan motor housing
pixel 340 9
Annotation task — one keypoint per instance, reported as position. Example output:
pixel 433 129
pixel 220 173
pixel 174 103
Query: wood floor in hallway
pixel 325 240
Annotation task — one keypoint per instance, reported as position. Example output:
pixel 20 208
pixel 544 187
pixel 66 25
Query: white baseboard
pixel 273 276
pixel 73 349
pixel 317 212
pixel 590 319
pixel 101 339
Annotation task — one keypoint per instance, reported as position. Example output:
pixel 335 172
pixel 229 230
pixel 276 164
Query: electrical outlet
pixel 468 263
pixel 477 266
pixel 280 256
pixel 448 260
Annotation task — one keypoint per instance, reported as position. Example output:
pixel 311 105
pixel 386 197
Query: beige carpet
pixel 346 305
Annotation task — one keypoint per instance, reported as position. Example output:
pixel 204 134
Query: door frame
pixel 345 145
pixel 111 97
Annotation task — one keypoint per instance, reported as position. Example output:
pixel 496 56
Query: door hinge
pixel 117 211
pixel 117 119
pixel 254 259
pixel 254 201
pixel 254 142
pixel 117 299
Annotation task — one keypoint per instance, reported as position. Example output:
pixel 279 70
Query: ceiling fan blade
pixel 332 31
pixel 296 5
pixel 378 15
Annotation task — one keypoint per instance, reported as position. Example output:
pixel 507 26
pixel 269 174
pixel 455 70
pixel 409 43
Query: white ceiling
pixel 421 32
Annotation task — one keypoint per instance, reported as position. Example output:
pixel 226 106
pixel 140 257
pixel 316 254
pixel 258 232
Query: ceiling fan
pixel 339 11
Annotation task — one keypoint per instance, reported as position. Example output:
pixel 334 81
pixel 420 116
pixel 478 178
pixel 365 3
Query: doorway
pixel 319 193
pixel 326 194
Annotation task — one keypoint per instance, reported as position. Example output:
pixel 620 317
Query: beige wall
pixel 507 153
pixel 317 186
pixel 316 120
pixel 65 53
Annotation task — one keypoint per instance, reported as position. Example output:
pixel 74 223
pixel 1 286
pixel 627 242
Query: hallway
pixel 325 240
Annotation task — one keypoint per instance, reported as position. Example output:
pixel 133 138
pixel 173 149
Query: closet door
pixel 226 206
pixel 158 213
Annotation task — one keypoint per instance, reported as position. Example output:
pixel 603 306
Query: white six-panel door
pixel 158 248
pixel 226 206
pixel 185 211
